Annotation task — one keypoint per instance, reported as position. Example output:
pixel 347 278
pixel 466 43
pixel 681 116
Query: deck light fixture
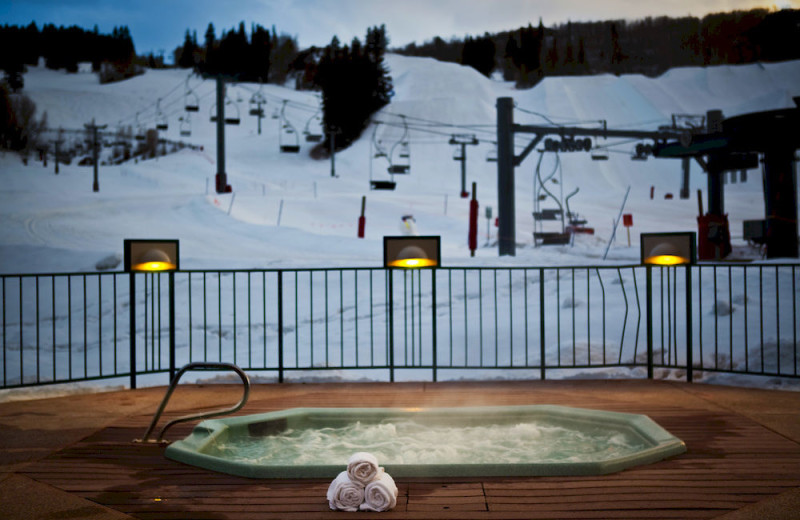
pixel 668 248
pixel 151 255
pixel 411 252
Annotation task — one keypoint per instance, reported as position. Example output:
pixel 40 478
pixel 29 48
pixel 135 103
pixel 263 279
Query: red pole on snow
pixel 362 220
pixel 473 221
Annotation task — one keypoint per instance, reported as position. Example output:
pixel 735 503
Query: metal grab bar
pixel 203 415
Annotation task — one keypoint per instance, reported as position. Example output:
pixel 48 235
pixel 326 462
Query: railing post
pixel 280 326
pixel 649 303
pixel 132 285
pixel 541 325
pixel 171 276
pixel 689 346
pixel 390 310
pixel 433 318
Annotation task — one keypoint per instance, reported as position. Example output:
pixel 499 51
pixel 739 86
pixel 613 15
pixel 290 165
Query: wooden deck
pixel 731 461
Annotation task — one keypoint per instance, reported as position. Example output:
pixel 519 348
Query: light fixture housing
pixel 411 252
pixel 668 248
pixel 151 255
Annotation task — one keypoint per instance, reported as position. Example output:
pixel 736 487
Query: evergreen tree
pixel 355 83
pixel 283 52
pixel 209 61
pixel 479 53
pixel 260 50
pixel 583 67
pixel 552 56
pixel 187 53
pixel 616 50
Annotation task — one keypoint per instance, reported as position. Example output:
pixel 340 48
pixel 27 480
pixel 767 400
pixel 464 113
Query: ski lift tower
pixel 221 177
pixel 735 144
pixel 463 140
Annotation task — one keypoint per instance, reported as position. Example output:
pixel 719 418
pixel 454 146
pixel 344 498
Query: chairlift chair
pixel 540 215
pixel 140 131
pixel 191 100
pixel 185 128
pixel 313 137
pixel 161 119
pixel 382 185
pixel 398 168
pixel 287 131
pixel 255 104
pixel 403 165
pixel 233 119
pixel 405 150
pixel 380 151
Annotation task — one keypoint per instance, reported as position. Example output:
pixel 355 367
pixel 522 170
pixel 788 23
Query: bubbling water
pixel 409 442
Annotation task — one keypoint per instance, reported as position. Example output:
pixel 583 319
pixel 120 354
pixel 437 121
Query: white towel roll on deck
pixel 380 494
pixel 362 467
pixel 344 494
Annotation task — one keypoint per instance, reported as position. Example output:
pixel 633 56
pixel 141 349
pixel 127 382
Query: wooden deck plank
pixel 731 461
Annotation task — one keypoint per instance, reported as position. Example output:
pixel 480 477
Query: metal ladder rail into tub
pixel 203 365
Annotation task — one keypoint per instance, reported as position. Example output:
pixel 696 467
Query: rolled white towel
pixel 380 494
pixel 362 467
pixel 344 494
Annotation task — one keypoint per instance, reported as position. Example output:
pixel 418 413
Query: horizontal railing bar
pixel 379 268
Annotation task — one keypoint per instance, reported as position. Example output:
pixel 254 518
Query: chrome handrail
pixel 204 415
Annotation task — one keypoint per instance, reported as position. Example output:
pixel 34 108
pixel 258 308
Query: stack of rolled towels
pixel 364 485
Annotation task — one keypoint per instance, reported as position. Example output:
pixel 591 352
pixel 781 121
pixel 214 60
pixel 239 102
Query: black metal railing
pixel 536 322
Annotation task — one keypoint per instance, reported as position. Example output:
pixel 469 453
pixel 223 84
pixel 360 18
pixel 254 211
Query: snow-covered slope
pixel 56 223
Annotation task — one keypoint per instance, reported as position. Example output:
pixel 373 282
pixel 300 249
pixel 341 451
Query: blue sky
pixel 159 25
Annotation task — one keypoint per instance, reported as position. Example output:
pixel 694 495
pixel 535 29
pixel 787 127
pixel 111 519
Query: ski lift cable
pixel 542 186
pixel 415 128
pixel 551 118
pixel 153 105
pixel 432 123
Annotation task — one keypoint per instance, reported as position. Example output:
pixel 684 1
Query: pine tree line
pixel 63 48
pixel 263 57
pixel 648 46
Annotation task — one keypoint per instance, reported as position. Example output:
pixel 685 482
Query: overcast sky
pixel 159 25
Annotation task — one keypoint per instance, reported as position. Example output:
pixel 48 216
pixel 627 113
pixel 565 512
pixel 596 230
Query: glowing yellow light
pixel 413 409
pixel 154 260
pixel 154 266
pixel 412 262
pixel 666 260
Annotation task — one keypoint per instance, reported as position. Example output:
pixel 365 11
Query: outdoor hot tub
pixel 535 440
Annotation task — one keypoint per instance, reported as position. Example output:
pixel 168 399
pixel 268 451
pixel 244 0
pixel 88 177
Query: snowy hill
pixel 286 209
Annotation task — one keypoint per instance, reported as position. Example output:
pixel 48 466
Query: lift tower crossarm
pixel 572 131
